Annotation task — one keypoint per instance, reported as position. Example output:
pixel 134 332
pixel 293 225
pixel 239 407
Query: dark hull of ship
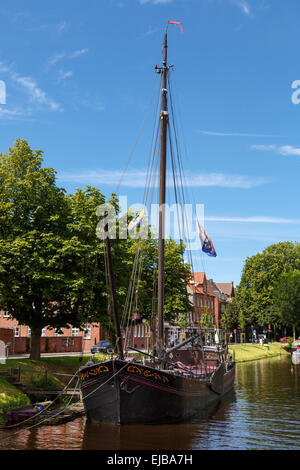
pixel 122 392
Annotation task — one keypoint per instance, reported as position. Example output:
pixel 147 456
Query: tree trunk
pixel 35 352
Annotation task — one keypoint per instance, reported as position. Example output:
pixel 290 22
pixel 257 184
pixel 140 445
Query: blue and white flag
pixel 137 220
pixel 207 245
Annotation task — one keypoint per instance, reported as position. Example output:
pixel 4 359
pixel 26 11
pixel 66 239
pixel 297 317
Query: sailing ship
pixel 174 383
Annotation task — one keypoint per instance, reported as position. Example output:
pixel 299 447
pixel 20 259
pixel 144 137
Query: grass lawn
pixel 252 352
pixel 10 398
pixel 33 374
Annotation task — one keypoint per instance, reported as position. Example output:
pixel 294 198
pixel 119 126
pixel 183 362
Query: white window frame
pixel 16 331
pixel 57 333
pixel 87 334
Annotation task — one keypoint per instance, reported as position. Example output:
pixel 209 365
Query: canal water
pixel 262 413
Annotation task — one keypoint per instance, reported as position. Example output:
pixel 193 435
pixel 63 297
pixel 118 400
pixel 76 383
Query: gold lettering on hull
pixel 93 372
pixel 147 373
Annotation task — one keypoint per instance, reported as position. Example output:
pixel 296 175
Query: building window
pixel 75 332
pixel 43 332
pixel 87 332
pixel 29 332
pixel 6 314
pixel 58 332
pixel 16 331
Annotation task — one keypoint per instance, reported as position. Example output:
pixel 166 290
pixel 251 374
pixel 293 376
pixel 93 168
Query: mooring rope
pixel 43 420
pixel 101 385
pixel 46 408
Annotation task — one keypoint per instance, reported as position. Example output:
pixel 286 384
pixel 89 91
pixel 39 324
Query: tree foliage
pixel 33 228
pixel 254 300
pixel 286 298
pixel 52 269
pixel 177 275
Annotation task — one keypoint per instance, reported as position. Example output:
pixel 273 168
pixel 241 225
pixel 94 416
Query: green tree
pixel 34 214
pixel 286 299
pixel 207 320
pixel 253 300
pixel 88 289
pixel 177 275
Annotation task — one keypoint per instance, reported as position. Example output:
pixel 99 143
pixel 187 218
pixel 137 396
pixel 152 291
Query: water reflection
pixel 263 412
pixel 181 436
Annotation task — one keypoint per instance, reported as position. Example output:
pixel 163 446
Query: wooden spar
pixel 111 281
pixel 186 341
pixel 162 200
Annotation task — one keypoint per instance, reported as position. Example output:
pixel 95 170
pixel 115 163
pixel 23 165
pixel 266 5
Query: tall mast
pixel 111 281
pixel 164 116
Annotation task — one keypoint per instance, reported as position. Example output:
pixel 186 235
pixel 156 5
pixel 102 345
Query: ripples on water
pixel 262 413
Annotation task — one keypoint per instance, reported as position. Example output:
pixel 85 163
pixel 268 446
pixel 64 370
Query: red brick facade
pixel 206 295
pixel 66 340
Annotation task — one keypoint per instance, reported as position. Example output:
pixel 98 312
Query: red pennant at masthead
pixel 176 22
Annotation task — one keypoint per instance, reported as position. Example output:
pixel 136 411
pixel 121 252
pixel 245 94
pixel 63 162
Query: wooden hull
pixel 123 392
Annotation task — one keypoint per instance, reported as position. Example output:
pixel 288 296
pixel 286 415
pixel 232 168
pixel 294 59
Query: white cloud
pixel 282 150
pixel 137 178
pixel 36 94
pixel 264 147
pixel 63 56
pixel 224 180
pixel 29 85
pixel 11 114
pixel 155 2
pixel 254 219
pixel 150 31
pixel 78 53
pixel 63 26
pixel 56 58
pixel 62 76
pixel 243 5
pixel 289 150
pixel 231 134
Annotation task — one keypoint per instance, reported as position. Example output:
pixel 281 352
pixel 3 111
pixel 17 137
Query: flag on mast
pixel 176 22
pixel 207 245
pixel 137 220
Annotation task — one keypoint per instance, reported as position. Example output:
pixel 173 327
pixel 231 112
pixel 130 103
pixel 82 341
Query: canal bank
pixel 252 352
pixel 262 413
pixel 47 377
pixel 56 372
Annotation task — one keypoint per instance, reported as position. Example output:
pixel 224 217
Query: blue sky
pixel 79 78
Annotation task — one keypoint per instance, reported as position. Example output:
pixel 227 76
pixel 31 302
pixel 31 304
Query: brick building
pixel 205 295
pixel 62 340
